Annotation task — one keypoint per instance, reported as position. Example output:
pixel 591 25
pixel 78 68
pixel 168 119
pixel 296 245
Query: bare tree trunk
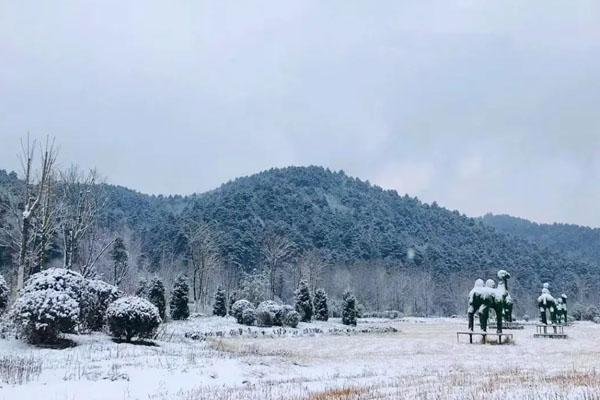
pixel 31 201
pixel 194 285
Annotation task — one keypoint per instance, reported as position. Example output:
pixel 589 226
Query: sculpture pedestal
pixel 512 325
pixel 507 337
pixel 550 331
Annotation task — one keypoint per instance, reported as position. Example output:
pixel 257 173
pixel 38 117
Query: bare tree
pixel 91 249
pixel 81 200
pixel 203 252
pixel 31 210
pixel 310 268
pixel 276 250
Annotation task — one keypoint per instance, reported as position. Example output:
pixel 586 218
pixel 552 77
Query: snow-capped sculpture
pixel 483 298
pixel 475 303
pixel 508 308
pixel 561 309
pixel 547 304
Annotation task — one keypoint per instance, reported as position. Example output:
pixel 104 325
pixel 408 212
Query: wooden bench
pixel 557 331
pixel 507 336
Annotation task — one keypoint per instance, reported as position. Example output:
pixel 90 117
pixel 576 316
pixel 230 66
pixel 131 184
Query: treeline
pixel 576 242
pixel 258 236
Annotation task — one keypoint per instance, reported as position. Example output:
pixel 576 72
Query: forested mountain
pixel 368 238
pixel 577 242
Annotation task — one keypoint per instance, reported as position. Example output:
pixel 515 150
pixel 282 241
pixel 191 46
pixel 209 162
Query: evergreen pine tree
pixel 303 302
pixel 220 306
pixel 156 295
pixel 120 259
pixel 233 297
pixel 321 308
pixel 349 312
pixel 142 288
pixel 179 299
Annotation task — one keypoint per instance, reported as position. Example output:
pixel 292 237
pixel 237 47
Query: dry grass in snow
pixel 421 361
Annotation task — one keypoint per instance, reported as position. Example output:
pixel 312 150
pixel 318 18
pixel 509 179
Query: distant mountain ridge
pixel 574 241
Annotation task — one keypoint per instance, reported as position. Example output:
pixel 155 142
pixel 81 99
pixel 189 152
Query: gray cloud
pixel 481 106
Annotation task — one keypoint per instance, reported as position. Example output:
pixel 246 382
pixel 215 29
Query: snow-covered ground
pixel 208 358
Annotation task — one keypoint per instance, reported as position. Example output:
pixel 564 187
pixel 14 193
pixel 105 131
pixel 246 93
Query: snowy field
pixel 208 358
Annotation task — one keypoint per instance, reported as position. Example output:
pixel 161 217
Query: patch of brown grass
pixel 340 394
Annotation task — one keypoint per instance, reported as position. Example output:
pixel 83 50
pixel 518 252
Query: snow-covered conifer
pixel 179 299
pixel 132 317
pixel 321 307
pixel 156 296
pixel 142 288
pixel 220 306
pixel 3 294
pixel 233 297
pixel 349 312
pixel 304 304
pixel 120 261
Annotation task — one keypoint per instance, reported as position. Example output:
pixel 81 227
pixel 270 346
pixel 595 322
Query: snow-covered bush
pixel 248 316
pixel 304 304
pixel 62 281
pixel 269 313
pixel 349 312
pixel 156 296
pixel 41 315
pixel 220 306
pixel 291 318
pixel 585 313
pixel 238 308
pixel 266 313
pixel 59 279
pixel 97 297
pixel 132 317
pixel 389 314
pixel 321 307
pixel 179 299
pixel 3 294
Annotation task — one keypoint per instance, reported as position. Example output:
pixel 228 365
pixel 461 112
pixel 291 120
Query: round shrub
pixel 264 318
pixel 41 315
pixel 97 297
pixel 268 313
pixel 131 316
pixel 59 279
pixel 238 308
pixel 291 319
pixel 3 294
pixel 248 316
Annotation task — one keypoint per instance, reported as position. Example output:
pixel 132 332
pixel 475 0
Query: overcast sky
pixel 480 106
